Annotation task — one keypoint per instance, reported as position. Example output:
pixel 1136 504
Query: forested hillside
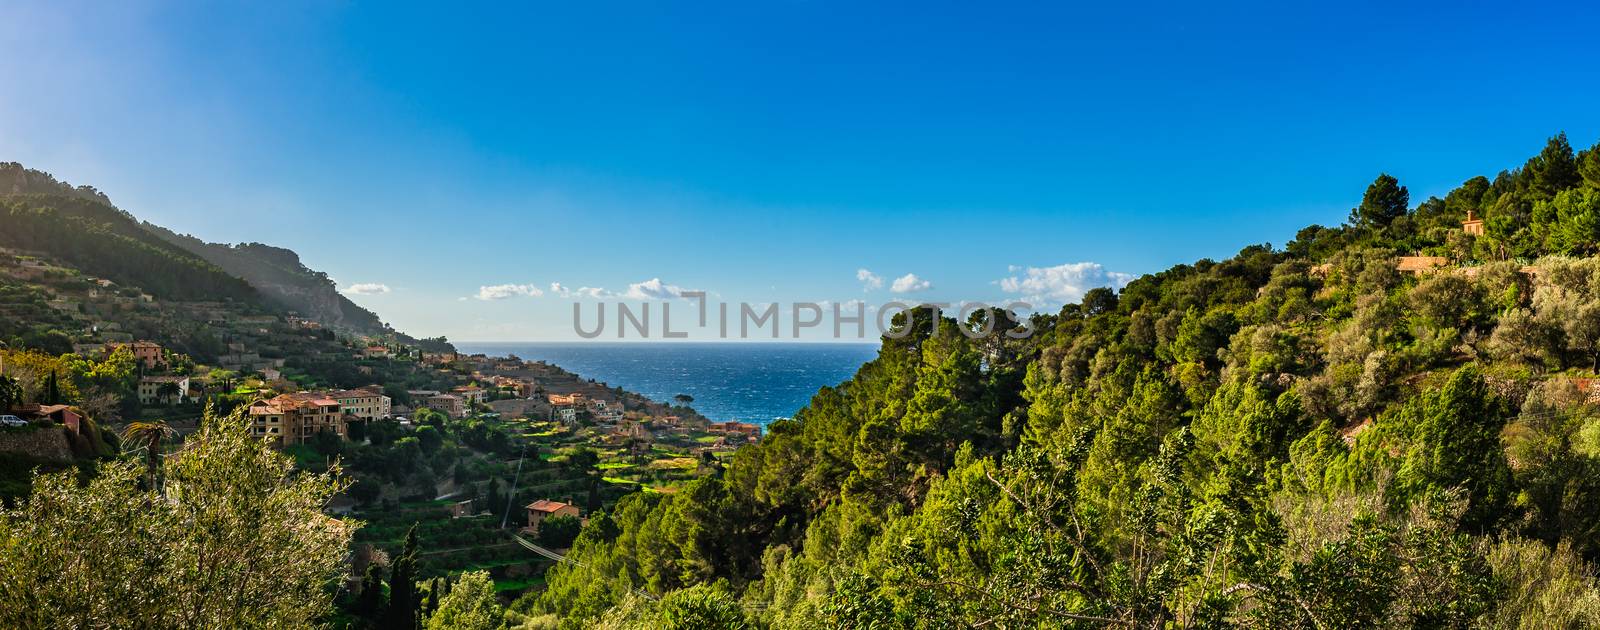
pixel 81 226
pixel 1296 437
pixel 281 277
pixel 16 179
pixel 103 241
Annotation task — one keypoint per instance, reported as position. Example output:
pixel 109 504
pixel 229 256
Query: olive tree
pixel 235 538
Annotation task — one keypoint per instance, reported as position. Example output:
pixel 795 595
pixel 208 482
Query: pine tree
pixel 1385 201
pixel 1554 169
pixel 1456 444
pixel 1589 166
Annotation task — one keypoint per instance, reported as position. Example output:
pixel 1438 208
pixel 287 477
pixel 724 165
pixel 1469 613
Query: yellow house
pixel 294 418
pixel 366 403
pixel 451 405
pixel 166 390
pixel 545 508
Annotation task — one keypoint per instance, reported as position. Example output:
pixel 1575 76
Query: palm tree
pixel 149 435
pixel 167 392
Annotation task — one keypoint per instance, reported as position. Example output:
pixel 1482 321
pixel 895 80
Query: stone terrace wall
pixel 42 442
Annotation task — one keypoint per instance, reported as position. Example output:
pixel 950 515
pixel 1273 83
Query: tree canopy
pixel 1300 437
pixel 235 537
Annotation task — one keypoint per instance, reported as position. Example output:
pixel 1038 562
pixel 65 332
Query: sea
pixel 750 382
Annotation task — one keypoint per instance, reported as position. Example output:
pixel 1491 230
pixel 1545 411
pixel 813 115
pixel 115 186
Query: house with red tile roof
pixel 295 418
pixel 542 509
pixel 150 353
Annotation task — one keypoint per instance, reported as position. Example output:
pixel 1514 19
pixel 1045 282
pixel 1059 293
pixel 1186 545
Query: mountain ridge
pixel 276 274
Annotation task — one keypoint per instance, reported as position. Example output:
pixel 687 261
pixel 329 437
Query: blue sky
pixel 769 151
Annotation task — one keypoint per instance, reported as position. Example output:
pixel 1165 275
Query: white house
pixel 166 390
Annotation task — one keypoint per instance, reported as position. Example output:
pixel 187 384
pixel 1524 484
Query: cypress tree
pixel 494 499
pixel 432 603
pixel 52 390
pixel 402 610
pixel 370 602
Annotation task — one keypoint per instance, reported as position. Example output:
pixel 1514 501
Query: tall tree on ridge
pixel 1385 201
pixel 1589 166
pixel 1554 169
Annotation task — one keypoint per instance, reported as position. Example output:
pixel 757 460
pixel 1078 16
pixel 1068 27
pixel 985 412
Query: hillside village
pixel 468 449
pixel 213 349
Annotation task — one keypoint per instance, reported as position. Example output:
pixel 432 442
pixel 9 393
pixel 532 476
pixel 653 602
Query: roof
pixel 264 407
pixel 163 379
pixel 40 411
pixel 548 506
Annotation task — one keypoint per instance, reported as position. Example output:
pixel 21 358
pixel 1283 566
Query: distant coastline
pixel 745 381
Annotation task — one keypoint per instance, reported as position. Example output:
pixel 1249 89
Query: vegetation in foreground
pixel 222 534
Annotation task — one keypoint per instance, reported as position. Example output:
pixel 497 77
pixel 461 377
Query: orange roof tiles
pixel 548 506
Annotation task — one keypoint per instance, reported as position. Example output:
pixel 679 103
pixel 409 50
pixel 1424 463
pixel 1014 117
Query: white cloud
pixel 503 291
pixel 1062 284
pixel 367 288
pixel 847 308
pixel 580 292
pixel 910 283
pixel 869 281
pixel 653 289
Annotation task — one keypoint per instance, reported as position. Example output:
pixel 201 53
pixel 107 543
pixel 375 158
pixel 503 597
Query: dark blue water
pixel 749 382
